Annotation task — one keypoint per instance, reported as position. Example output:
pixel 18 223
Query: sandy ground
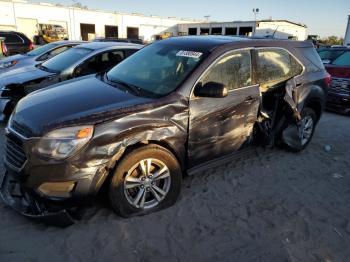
pixel 273 206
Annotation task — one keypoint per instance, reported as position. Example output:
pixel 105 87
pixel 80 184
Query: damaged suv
pixel 176 106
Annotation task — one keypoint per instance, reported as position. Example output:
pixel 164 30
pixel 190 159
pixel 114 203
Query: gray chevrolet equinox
pixel 177 106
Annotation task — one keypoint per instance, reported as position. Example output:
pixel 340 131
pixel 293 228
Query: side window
pixel 53 53
pixel 275 65
pixel 129 52
pixel 100 63
pixel 233 70
pixel 59 50
pixel 12 39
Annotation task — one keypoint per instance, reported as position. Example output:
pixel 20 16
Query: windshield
pixel 343 60
pixel 66 59
pixel 41 50
pixel 157 68
pixel 330 54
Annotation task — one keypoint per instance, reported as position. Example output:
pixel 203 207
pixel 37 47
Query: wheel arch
pixel 163 143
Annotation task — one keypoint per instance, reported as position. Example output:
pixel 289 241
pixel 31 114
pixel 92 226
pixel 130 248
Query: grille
pixel 15 155
pixel 20 129
pixel 340 86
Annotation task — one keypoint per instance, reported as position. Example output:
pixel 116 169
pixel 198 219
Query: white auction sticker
pixel 190 54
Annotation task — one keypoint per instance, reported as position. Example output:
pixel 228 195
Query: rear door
pixel 220 126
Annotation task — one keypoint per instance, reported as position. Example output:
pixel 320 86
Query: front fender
pixel 165 124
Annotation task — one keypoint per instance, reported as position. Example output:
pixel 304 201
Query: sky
pixel 324 18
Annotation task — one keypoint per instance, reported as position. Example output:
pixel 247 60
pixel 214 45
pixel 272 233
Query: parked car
pixel 36 56
pixel 3 48
pixel 339 92
pixel 328 55
pixel 177 106
pixel 16 42
pixel 90 58
pixel 122 40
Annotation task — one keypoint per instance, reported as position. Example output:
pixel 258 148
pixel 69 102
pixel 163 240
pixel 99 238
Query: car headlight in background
pixel 62 143
pixel 7 64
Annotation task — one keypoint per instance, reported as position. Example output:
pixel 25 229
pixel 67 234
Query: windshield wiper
pixel 132 88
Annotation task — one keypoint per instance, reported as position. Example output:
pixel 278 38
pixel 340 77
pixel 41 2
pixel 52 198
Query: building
pixel 80 23
pixel 347 34
pixel 281 29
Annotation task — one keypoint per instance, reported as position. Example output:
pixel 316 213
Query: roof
pixel 282 20
pixel 101 45
pixel 68 42
pixel 244 22
pixel 207 43
pixel 203 42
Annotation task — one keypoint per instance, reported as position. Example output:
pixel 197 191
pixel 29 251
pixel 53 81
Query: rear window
pixel 312 62
pixel 276 65
pixel 12 39
pixel 342 60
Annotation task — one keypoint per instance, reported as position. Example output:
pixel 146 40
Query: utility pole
pixel 347 34
pixel 256 12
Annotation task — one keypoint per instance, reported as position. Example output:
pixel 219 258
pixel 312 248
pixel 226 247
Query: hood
pixel 22 75
pixel 84 101
pixel 338 71
pixel 22 61
pixel 13 57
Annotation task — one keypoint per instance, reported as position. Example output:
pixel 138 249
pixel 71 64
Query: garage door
pixel 27 26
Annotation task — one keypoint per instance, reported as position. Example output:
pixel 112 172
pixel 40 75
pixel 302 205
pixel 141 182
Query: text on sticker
pixel 191 54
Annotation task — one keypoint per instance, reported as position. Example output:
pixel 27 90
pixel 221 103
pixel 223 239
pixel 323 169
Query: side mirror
pixel 211 89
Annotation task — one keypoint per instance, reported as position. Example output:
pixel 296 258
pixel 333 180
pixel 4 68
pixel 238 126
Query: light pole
pixel 256 12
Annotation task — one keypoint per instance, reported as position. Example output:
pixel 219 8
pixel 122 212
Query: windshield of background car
pixel 41 50
pixel 342 60
pixel 66 59
pixel 330 54
pixel 157 68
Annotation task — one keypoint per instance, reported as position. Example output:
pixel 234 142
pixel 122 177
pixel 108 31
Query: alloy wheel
pixel 147 183
pixel 306 129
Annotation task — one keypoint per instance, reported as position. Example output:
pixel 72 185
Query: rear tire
pixel 146 180
pixel 308 125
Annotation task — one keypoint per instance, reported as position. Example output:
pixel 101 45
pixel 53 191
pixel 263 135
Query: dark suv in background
pixel 177 106
pixel 16 43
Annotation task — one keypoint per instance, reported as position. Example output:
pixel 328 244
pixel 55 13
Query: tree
pixel 332 40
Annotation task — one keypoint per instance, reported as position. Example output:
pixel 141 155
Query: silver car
pixel 36 56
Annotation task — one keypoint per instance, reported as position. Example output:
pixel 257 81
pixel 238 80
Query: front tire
pixel 146 180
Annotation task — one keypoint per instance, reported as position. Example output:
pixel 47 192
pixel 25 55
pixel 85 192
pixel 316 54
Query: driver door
pixel 220 126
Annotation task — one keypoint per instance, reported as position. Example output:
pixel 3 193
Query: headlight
pixel 62 143
pixel 8 64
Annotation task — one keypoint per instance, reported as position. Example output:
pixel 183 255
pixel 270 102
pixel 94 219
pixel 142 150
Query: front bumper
pixel 22 201
pixel 338 103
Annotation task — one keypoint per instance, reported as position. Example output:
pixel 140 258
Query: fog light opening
pixel 57 189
